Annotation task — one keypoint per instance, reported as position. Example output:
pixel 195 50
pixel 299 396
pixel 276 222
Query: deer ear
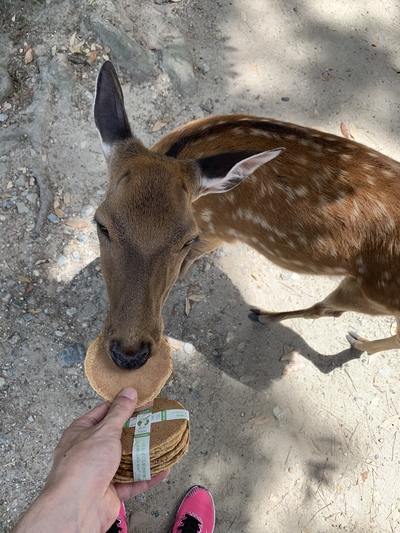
pixel 223 172
pixel 109 111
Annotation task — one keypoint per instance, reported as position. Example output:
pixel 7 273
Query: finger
pixel 121 409
pixel 126 491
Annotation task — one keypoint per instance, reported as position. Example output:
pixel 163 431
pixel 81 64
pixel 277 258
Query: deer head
pixel 146 226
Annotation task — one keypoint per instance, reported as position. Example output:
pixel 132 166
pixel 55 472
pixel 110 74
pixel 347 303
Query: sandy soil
pixel 310 447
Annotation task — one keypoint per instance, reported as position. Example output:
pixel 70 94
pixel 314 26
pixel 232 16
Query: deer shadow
pixel 207 310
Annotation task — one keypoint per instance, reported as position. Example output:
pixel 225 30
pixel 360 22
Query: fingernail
pixel 129 392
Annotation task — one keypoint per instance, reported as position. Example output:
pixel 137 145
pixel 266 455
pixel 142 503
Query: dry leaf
pixel 353 131
pixel 344 130
pixel 23 279
pixel 187 307
pixel 56 201
pixel 390 421
pixel 197 297
pixel 7 106
pixel 29 56
pixel 59 212
pixel 72 39
pixel 78 224
pixel 260 420
pixel 76 48
pixel 159 125
pixel 67 198
pixel 5 195
pixel 92 56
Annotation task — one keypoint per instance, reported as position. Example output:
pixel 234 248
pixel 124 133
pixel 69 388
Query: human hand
pixel 79 489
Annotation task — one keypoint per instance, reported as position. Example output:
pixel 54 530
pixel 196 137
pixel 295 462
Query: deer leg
pixel 389 343
pixel 346 297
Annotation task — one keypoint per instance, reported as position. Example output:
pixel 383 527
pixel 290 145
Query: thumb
pixel 121 408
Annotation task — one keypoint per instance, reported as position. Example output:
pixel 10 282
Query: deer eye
pixel 102 229
pixel 189 242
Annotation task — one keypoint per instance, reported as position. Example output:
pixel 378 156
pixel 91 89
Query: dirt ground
pixel 290 429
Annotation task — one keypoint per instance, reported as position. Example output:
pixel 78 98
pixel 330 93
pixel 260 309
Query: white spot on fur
pixel 206 215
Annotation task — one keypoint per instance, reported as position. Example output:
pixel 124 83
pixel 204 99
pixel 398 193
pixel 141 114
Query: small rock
pixel 205 68
pixel 178 63
pixel 285 98
pixel 2 382
pixel 72 354
pixel 87 210
pixel 53 218
pixel 32 197
pixel 278 412
pixel 31 419
pixel 3 117
pixel 21 208
pixel 230 336
pixel 61 74
pixel 217 357
pixel 6 85
pixel 20 181
pixel 14 339
pixel 188 348
pixel 62 260
pixel 27 317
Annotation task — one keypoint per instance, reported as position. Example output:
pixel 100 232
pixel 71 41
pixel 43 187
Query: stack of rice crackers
pixel 167 440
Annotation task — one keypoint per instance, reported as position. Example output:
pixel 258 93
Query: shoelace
pixel 190 524
pixel 115 528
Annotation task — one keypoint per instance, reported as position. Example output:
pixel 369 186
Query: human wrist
pixel 56 508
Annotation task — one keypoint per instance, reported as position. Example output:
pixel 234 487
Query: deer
pixel 309 201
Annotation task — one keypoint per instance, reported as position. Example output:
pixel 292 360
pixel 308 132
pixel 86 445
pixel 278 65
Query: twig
pixel 394 442
pixel 46 199
pixel 352 382
pixel 287 457
pixel 322 476
pixel 319 510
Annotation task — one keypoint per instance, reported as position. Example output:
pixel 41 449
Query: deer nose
pixel 128 360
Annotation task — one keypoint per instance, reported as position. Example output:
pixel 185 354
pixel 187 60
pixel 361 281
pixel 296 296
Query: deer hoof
pixel 356 340
pixel 254 315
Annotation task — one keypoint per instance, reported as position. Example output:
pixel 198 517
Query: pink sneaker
pixel 119 526
pixel 196 513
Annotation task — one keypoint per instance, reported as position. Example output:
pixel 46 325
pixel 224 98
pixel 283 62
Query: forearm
pixel 50 512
